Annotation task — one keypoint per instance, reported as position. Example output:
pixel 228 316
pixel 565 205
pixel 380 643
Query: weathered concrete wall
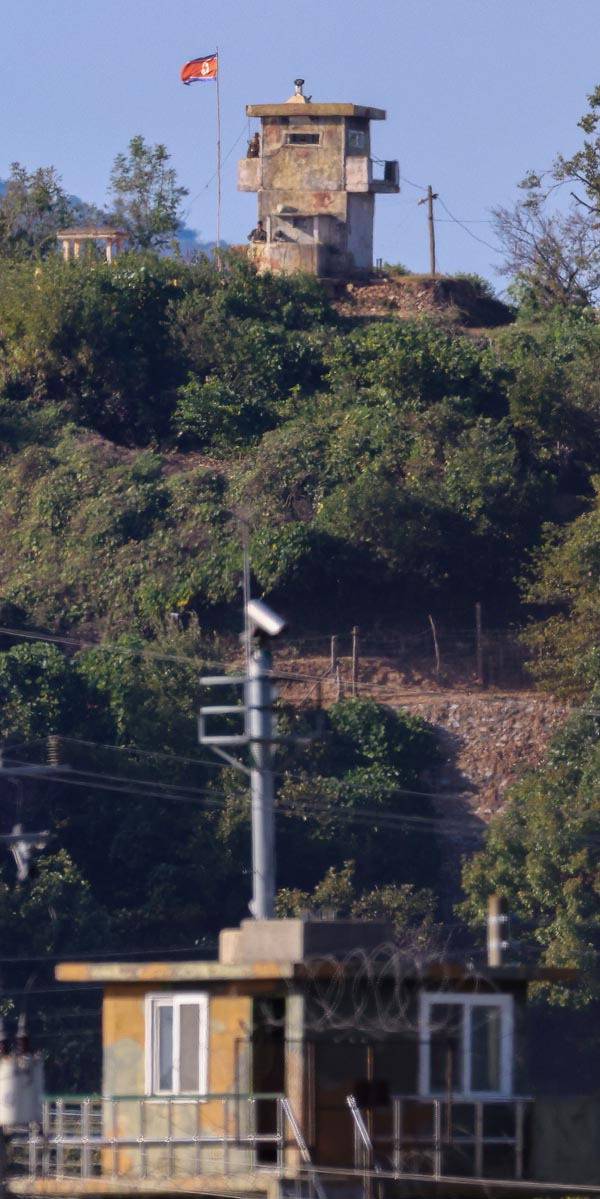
pixel 319 201
pixel 123 1037
pixel 124 1033
pixel 249 170
pixel 229 1064
pixel 358 174
pixel 302 167
pixel 295 940
pixel 230 1026
pixel 361 211
pixel 287 257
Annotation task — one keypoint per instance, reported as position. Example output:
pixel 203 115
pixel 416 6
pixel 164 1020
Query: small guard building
pixel 316 179
pixel 312 1056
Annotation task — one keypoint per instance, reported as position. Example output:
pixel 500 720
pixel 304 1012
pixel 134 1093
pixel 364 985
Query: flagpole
pixel 218 245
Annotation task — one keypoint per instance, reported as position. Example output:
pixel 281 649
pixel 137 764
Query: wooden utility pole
pixel 428 200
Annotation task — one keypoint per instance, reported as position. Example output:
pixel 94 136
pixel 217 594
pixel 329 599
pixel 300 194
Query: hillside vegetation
pixel 384 468
pixel 152 408
pixel 148 408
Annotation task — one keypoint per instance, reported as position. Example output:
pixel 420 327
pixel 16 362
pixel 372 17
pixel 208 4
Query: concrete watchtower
pixel 312 169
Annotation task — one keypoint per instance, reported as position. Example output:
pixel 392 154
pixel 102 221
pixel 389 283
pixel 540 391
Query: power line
pixel 320 805
pixel 59 989
pixel 419 186
pixel 143 787
pixel 496 249
pixel 133 750
pixel 455 220
pixel 441 220
pixel 214 175
pixel 100 954
pixel 391 788
pixel 66 775
pixel 111 647
pixel 358 816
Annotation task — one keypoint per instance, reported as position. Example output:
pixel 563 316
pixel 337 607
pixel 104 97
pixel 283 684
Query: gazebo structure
pixel 70 240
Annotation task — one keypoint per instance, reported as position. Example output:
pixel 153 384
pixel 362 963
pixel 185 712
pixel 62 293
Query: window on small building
pixel 177 1044
pixel 302 139
pixel 356 139
pixel 466 1045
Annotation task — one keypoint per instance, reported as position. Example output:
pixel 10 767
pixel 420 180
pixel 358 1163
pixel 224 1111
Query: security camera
pixel 264 620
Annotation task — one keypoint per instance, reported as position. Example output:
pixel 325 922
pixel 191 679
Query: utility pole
pixel 428 200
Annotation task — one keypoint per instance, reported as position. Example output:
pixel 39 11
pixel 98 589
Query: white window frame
pixel 505 1005
pixel 176 1000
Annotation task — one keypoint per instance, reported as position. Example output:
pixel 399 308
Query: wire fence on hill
pixel 352 664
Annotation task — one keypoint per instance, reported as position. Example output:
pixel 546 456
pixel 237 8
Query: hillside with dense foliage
pixel 385 468
pixel 148 408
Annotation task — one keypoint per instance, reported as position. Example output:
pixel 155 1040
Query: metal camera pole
pixel 259 735
pixel 259 700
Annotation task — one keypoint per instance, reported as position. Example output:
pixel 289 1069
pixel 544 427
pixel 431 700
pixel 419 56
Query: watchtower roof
pixel 309 109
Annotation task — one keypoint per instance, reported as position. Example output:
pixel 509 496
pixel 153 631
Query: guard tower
pixel 312 168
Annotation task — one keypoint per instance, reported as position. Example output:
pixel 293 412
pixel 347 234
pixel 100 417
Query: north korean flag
pixel 200 68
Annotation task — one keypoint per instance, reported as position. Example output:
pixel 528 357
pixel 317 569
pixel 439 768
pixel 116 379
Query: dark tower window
pixel 302 139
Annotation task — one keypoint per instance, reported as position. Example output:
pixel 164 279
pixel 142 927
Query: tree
pixel 40 692
pixel 355 795
pixel 411 911
pixel 94 336
pixel 33 208
pixel 564 582
pixel 147 196
pixel 556 259
pixel 584 166
pixel 541 853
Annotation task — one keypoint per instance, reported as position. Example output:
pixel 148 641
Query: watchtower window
pixel 356 139
pixel 302 139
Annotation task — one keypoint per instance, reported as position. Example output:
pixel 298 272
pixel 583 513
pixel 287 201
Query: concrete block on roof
pixel 296 940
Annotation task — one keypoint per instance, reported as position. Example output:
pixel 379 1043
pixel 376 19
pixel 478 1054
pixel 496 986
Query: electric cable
pixel 205 186
pixel 217 800
pixel 112 647
pixel 496 249
pixel 419 186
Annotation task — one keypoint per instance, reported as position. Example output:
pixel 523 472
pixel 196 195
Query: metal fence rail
pixel 442 1137
pixel 159 1136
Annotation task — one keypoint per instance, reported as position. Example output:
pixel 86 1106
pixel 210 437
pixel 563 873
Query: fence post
pixel 355 632
pixel 479 643
pixel 334 652
pixel 338 680
pixel 436 647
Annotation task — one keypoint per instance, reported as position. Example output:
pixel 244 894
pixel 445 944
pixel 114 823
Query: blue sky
pixel 477 92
